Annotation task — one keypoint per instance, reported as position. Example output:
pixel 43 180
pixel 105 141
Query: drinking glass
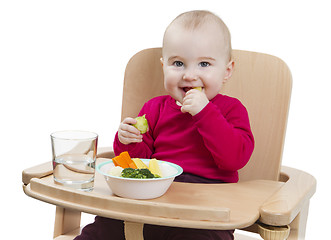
pixel 74 155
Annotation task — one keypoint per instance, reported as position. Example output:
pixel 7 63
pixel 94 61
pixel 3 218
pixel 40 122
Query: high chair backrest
pixel 261 82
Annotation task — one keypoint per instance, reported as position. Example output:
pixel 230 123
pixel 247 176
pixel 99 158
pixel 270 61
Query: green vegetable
pixel 138 173
pixel 142 124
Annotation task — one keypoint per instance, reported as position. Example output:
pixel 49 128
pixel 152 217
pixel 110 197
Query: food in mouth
pixel 186 89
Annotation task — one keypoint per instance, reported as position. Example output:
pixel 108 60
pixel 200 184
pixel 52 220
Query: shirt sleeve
pixel 226 134
pixel 138 150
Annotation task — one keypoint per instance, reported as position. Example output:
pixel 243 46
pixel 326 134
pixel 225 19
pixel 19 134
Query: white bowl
pixel 140 188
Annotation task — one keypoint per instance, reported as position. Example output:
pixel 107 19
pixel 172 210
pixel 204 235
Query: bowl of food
pixel 147 179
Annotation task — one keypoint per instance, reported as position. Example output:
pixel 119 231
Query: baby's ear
pixel 161 61
pixel 228 71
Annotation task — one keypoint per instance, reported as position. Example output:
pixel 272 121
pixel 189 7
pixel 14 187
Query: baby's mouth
pixel 186 89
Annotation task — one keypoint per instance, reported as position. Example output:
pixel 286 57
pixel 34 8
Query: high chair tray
pixel 204 206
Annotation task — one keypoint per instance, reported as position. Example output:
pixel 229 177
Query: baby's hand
pixel 194 101
pixel 127 133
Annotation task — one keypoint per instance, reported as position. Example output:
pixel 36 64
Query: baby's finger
pixel 128 137
pixel 126 140
pixel 129 120
pixel 187 101
pixel 129 131
pixel 184 109
pixel 129 134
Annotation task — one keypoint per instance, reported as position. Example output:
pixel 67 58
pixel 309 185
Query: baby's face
pixel 194 58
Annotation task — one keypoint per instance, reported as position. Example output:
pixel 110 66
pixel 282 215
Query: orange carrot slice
pixel 124 160
pixel 119 161
pixel 126 157
pixel 115 161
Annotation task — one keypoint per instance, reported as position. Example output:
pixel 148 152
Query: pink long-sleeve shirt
pixel 215 143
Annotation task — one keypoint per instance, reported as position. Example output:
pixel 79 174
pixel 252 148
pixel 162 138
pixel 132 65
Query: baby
pixel 208 134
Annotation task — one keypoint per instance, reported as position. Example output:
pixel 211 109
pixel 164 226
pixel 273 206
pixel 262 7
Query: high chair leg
pixel 133 231
pixel 298 225
pixel 66 220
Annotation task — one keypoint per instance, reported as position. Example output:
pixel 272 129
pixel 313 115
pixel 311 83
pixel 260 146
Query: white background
pixel 62 65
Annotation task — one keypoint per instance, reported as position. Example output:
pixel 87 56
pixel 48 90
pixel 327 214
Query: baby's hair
pixel 194 19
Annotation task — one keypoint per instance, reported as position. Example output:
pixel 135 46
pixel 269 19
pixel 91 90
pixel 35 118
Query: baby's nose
pixel 190 76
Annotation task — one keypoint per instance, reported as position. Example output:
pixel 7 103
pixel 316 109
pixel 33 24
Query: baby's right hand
pixel 127 133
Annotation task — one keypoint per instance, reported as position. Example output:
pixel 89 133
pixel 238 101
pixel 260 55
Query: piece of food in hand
pixel 142 124
pixel 140 164
pixel 116 171
pixel 198 88
pixel 154 167
pixel 138 173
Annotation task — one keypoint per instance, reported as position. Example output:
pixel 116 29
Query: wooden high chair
pixel 267 195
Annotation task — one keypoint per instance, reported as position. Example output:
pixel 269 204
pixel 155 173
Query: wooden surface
pixel 38 171
pixel 286 203
pixel 235 206
pixel 184 204
pixel 65 220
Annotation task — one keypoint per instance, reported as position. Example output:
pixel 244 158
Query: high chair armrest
pixel 283 206
pixel 39 171
pixel 105 152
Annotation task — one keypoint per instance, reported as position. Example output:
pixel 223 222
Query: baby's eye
pixel 178 63
pixel 204 64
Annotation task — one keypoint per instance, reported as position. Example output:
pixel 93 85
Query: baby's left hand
pixel 194 101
